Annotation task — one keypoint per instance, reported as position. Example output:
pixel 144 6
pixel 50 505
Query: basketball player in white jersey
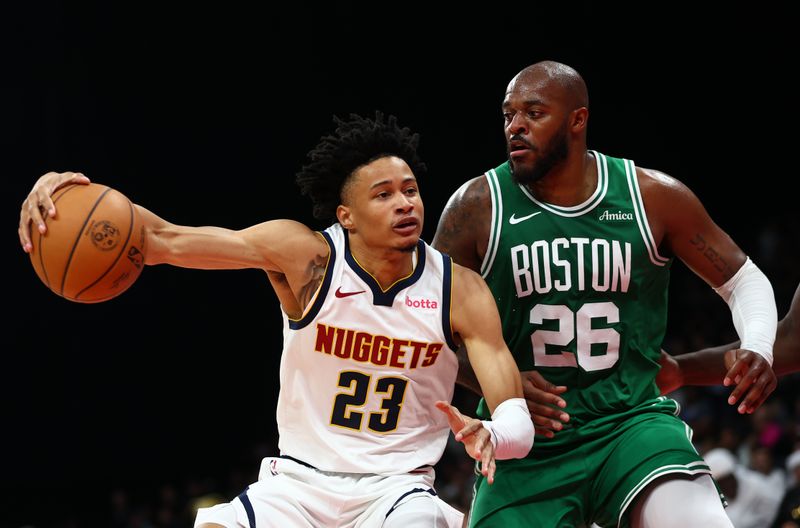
pixel 372 318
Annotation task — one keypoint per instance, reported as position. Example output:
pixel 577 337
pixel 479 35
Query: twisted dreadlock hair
pixel 356 142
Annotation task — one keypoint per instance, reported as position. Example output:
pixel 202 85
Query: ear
pixel 580 117
pixel 344 216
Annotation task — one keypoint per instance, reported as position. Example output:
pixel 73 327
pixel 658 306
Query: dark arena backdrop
pixel 132 412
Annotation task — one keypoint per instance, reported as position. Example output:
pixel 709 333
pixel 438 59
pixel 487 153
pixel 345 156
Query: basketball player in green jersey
pixel 576 247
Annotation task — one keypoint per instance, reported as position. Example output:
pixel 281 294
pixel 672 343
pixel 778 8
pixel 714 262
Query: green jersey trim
pixel 570 211
pixel 497 223
pixel 590 203
pixel 641 216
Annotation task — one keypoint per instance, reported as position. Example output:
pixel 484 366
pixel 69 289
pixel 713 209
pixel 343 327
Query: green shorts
pixel 596 479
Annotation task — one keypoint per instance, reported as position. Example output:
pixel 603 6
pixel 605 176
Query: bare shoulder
pixel 472 192
pixel 667 200
pixel 655 183
pixel 467 279
pixel 463 229
pixel 469 288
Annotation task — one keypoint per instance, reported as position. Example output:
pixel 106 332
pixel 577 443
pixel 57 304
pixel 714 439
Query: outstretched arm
pixel 747 371
pixel 263 246
pixel 681 225
pixel 732 364
pixel 280 246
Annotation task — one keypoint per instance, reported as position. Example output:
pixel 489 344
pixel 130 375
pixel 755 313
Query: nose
pixel 518 124
pixel 405 204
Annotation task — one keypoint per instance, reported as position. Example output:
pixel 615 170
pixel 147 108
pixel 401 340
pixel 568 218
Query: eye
pixel 508 116
pixel 411 191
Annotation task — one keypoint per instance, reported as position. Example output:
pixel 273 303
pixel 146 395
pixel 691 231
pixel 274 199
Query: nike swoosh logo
pixel 514 220
pixel 340 294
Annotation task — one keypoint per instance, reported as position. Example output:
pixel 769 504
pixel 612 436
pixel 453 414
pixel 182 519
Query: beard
pixel 550 155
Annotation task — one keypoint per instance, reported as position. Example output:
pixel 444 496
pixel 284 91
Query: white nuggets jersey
pixel 362 368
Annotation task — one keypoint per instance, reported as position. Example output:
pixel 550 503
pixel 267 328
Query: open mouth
pixel 406 226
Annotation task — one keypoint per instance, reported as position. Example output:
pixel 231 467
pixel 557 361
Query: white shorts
pixel 291 494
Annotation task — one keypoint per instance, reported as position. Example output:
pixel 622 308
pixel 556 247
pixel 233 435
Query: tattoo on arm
pixel 712 256
pixel 448 232
pixel 464 224
pixel 315 273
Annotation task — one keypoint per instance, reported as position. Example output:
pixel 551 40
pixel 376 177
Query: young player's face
pixel 383 204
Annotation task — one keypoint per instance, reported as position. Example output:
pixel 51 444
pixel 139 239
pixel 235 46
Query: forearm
pixel 704 367
pixel 195 247
pixel 497 374
pixel 205 247
pixel 787 348
pixel 751 300
pixel 466 375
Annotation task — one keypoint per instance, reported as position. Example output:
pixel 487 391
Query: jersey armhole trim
pixel 322 292
pixel 447 304
pixel 641 215
pixel 497 222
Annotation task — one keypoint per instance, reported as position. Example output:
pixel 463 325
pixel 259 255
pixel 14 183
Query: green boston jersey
pixel 581 290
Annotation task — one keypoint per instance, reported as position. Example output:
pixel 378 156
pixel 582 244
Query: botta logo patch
pixel 421 303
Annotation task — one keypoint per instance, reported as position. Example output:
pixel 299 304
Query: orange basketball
pixel 93 249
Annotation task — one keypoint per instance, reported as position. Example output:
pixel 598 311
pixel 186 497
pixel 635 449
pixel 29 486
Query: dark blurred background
pixel 129 412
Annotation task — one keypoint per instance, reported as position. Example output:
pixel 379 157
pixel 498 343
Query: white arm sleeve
pixel 511 429
pixel 752 302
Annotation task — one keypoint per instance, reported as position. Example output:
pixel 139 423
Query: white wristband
pixel 511 429
pixel 752 302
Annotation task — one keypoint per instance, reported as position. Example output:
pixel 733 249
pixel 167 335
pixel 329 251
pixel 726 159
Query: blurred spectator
pixel 789 509
pixel 751 503
pixel 762 462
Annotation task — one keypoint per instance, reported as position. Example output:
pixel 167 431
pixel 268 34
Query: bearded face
pixel 532 168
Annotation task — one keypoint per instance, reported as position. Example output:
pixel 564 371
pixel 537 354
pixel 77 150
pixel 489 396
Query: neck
pixel 386 265
pixel 569 183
